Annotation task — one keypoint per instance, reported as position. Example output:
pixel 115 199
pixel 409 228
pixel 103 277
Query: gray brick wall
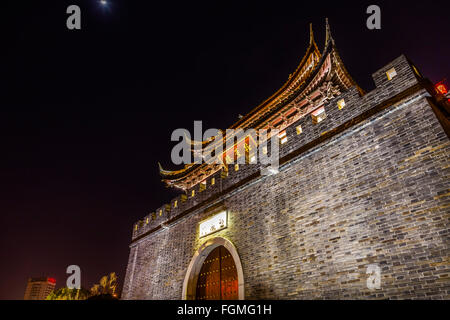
pixel 374 193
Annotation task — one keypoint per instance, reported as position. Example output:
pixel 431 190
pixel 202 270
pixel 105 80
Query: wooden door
pixel 218 277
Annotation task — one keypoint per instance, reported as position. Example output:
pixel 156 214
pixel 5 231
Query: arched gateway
pixel 214 273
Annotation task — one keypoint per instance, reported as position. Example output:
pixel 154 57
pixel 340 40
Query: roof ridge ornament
pixel 328 36
pixel 319 77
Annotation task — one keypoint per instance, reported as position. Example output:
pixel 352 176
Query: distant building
pixel 39 288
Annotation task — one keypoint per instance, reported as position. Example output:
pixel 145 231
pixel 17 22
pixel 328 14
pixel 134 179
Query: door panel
pixel 218 277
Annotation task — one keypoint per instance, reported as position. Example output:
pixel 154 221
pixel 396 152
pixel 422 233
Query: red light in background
pixel 441 88
pixel 51 280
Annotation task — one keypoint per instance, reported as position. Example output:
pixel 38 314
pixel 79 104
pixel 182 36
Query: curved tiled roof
pixel 313 69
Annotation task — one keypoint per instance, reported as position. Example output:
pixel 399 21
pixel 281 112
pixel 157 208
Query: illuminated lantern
pixel 441 88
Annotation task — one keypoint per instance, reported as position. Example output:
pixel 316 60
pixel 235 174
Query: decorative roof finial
pixel 311 34
pixel 328 36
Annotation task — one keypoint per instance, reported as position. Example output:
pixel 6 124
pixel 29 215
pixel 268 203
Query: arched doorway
pixel 226 283
pixel 218 277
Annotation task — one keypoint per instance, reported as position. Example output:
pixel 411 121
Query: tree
pixel 95 290
pixel 107 286
pixel 69 294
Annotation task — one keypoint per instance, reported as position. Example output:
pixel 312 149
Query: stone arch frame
pixel 190 280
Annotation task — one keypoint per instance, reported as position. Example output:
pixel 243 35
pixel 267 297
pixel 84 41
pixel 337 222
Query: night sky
pixel 86 114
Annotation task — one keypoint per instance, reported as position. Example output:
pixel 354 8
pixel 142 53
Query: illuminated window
pixel 224 173
pixel 213 181
pixel 183 197
pixel 202 185
pixel 160 212
pixel 341 104
pixel 318 115
pixel 264 150
pixel 193 193
pixel 391 73
pixel 282 136
pixel 248 149
pixel 299 129
pixel 175 204
pixel 153 216
pixel 136 227
pixel 236 167
pixel 146 221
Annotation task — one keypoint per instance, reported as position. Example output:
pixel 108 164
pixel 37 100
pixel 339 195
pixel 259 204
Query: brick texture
pixel 370 185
